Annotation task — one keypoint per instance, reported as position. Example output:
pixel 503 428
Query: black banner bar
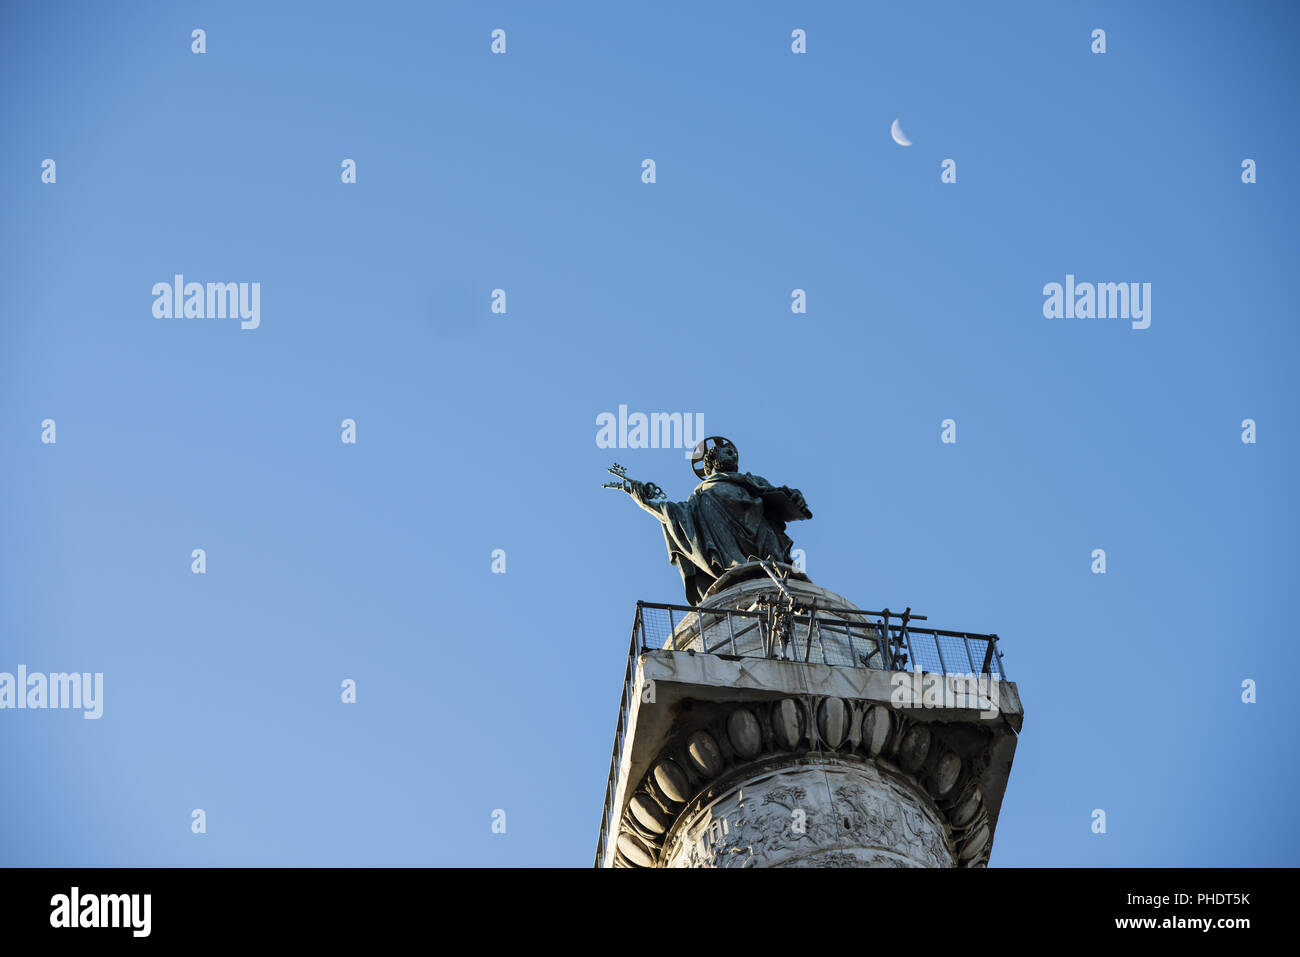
pixel 176 906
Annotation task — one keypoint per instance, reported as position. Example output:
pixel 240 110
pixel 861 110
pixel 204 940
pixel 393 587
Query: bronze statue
pixel 731 517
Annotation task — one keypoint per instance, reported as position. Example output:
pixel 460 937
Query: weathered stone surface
pixel 634 850
pixel 705 754
pixel 672 781
pixel 744 732
pixel 650 815
pixel 833 721
pixel 787 818
pixel 787 723
pixel 875 729
pixel 945 774
pixel 965 812
pixel 976 843
pixel 915 747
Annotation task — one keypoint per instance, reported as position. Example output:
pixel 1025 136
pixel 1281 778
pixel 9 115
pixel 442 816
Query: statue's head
pixel 722 457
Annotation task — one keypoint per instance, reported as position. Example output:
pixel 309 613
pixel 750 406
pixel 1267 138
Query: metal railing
pixel 847 637
pixel 842 637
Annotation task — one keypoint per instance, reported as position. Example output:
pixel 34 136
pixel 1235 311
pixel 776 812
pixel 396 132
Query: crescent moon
pixel 896 132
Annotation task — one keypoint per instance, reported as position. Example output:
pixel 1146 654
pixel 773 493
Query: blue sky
pixel 475 431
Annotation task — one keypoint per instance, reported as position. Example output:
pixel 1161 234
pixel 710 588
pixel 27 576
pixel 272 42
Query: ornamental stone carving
pixel 809 782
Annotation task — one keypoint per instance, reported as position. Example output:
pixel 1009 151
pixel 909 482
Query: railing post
pixel 821 641
pixel 731 627
pixel 882 649
pixel 887 656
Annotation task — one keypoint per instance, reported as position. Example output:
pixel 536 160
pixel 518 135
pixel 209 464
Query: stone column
pixel 742 761
pixel 826 813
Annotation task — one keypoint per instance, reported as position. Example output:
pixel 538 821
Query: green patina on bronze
pixel 731 517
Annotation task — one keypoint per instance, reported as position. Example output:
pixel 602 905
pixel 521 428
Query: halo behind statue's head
pixel 712 442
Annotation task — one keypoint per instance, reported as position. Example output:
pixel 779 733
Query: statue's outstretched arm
pixel 642 495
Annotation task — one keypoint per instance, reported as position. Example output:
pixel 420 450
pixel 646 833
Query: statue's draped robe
pixel 730 518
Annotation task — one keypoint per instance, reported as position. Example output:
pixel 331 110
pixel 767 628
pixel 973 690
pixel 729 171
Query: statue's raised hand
pixel 645 493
